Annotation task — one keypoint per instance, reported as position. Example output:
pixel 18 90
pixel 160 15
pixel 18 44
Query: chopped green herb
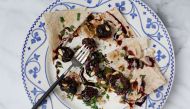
pixel 62 32
pixel 94 106
pixel 130 76
pixel 105 86
pixel 72 28
pixel 122 68
pixel 78 16
pixel 142 76
pixel 92 103
pixel 62 19
pixel 107 70
pixel 107 96
pixel 121 86
pixel 63 26
pixel 122 54
pixel 100 75
pixel 70 96
pixel 103 93
pixel 66 33
pixel 97 85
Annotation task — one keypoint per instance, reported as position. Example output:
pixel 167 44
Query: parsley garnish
pixel 97 85
pixel 121 86
pixel 62 32
pixel 78 16
pixel 107 96
pixel 72 27
pixel 70 96
pixel 62 19
pixel 130 76
pixel 142 76
pixel 107 70
pixel 92 103
pixel 122 54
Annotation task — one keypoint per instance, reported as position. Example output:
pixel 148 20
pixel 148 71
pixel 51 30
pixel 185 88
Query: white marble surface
pixel 16 17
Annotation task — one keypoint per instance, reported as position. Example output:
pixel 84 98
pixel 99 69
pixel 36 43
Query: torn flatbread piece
pixel 138 65
pixel 60 24
pixel 109 26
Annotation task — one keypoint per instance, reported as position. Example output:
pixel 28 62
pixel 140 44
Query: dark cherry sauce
pixel 142 101
pixel 134 85
pixel 90 17
pixel 122 26
pixel 131 105
pixel 130 52
pixel 119 42
pixel 55 54
pixel 143 97
pixel 85 81
pixel 151 61
pixel 76 34
pixel 136 63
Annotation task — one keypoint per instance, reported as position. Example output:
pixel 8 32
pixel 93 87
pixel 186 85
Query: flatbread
pixel 136 45
pixel 54 26
pixel 116 21
pixel 116 13
pixel 153 79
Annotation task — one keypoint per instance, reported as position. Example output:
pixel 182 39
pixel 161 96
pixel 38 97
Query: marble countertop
pixel 18 15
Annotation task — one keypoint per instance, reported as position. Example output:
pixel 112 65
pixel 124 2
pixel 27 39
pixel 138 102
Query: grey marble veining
pixel 16 16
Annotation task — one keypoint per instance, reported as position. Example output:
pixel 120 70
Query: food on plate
pixel 120 62
pixel 61 25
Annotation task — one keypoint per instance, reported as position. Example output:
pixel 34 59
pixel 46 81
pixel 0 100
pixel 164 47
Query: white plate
pixel 37 73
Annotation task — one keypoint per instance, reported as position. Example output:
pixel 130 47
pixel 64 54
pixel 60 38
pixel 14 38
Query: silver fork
pixel 78 60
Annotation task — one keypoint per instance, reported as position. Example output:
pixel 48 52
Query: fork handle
pixel 46 94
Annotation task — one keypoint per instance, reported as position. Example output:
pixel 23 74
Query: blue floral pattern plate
pixel 35 72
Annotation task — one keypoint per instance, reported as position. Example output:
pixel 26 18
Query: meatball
pixel 88 93
pixel 104 30
pixel 89 42
pixel 70 85
pixel 93 63
pixel 65 53
pixel 119 83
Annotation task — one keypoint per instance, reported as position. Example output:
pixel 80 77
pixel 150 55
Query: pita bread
pixel 117 22
pixel 117 14
pixel 138 46
pixel 153 77
pixel 54 26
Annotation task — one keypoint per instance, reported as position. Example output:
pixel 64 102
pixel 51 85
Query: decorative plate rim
pixel 172 78
pixel 145 6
